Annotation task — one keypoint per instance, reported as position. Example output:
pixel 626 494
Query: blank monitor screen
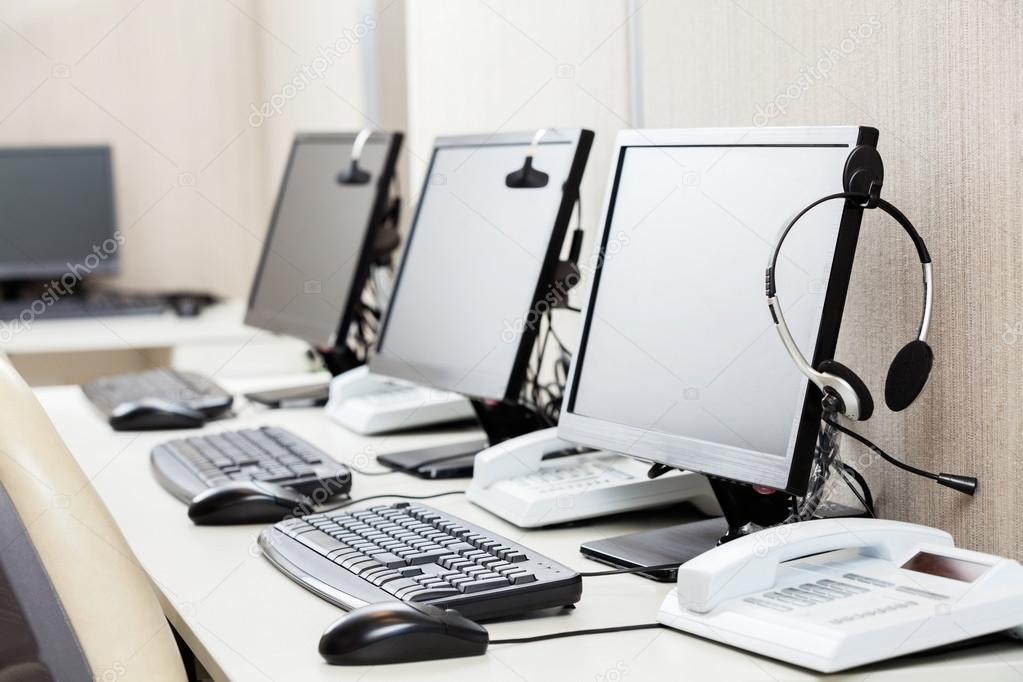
pixel 473 263
pixel 680 362
pixel 56 207
pixel 313 250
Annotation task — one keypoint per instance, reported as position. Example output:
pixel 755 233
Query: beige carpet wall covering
pixel 943 82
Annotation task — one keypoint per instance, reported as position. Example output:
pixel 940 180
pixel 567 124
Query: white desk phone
pixel 514 481
pixel 899 588
pixel 369 404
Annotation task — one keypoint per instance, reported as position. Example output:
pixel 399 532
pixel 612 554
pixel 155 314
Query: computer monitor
pixel 478 260
pixel 678 362
pixel 56 213
pixel 319 246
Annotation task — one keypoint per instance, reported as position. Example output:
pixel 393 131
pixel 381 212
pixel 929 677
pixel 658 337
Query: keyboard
pixel 187 388
pixel 418 554
pixel 187 466
pixel 85 306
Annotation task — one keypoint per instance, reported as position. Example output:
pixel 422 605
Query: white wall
pixel 495 66
pixel 171 85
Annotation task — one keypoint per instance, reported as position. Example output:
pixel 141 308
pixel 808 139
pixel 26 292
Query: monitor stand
pixel 499 421
pixel 740 504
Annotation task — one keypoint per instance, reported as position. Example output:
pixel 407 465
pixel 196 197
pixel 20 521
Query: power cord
pixel 350 502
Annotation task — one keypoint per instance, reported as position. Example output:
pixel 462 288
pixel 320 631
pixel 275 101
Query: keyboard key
pixel 389 560
pixel 434 593
pixel 522 578
pixel 482 585
pixel 320 542
pixel 401 583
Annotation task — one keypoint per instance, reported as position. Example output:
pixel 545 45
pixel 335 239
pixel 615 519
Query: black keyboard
pixel 419 554
pixel 187 466
pixel 187 388
pixel 106 305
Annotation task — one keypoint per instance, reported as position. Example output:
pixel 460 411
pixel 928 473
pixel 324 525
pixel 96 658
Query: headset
pixel 844 391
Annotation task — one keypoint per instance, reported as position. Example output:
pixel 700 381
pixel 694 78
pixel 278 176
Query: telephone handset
pixel 789 592
pixel 750 564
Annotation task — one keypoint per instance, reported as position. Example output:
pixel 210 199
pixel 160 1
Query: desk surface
pixel 246 621
pixel 221 322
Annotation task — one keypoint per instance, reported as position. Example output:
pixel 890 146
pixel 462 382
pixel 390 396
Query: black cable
pixel 633 569
pixel 867 499
pixel 577 633
pixel 867 506
pixel 879 452
pixel 350 502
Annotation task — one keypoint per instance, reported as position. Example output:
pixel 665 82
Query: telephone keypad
pixel 767 604
pixel 867 580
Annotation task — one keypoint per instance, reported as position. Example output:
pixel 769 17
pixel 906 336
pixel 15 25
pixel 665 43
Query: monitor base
pixel 677 544
pixel 499 421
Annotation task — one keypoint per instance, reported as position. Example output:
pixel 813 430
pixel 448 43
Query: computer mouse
pixel 150 414
pixel 247 502
pixel 189 304
pixel 401 632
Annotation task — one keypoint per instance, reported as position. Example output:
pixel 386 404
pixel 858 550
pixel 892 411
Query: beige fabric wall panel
pixel 175 87
pixel 942 81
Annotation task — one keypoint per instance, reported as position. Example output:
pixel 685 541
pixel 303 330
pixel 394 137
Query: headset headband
pixel 863 179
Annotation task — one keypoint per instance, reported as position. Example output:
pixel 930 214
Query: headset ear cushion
pixel 908 374
pixel 858 387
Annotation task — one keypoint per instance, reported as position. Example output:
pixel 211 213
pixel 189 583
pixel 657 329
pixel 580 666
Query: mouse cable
pixel 410 469
pixel 348 503
pixel 577 633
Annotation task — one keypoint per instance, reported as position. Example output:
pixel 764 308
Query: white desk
pixel 246 621
pixel 216 342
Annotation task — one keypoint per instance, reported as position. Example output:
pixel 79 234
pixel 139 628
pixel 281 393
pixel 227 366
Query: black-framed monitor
pixel 56 212
pixel 318 249
pixel 678 362
pixel 478 259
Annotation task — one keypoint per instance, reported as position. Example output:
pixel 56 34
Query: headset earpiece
pixel 908 375
pixel 835 368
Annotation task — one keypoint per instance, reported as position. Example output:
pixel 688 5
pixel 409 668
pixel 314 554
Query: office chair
pixel 74 602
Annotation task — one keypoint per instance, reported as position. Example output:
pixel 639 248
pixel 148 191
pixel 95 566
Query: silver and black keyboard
pixel 185 388
pixel 418 554
pixel 188 466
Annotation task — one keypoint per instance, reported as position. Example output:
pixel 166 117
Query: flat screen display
pixel 680 362
pixel 56 212
pixel 313 247
pixel 472 266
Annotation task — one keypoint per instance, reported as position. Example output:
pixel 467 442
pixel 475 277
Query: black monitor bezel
pixel 582 140
pixel 827 336
pixel 374 222
pixel 45 270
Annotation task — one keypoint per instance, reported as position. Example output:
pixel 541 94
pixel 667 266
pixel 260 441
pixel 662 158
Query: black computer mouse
pixel 189 304
pixel 150 414
pixel 246 502
pixel 401 632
